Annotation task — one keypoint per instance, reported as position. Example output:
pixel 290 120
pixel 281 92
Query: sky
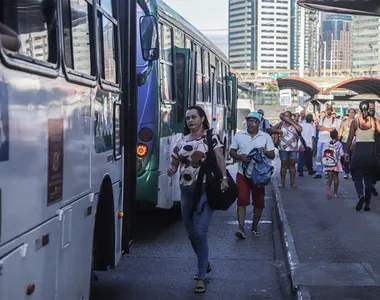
pixel 209 16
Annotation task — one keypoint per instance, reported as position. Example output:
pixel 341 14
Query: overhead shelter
pixel 352 7
pixel 300 84
pixel 363 85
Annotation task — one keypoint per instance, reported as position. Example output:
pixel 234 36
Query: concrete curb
pixel 291 257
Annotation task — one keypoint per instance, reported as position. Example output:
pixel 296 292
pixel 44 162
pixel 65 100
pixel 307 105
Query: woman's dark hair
pixel 351 109
pixel 334 134
pixel 202 113
pixel 363 107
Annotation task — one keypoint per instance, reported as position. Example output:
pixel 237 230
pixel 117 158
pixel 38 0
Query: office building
pixel 260 34
pixel 337 42
pixel 365 42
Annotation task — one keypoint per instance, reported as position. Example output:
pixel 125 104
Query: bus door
pixel 183 69
pixel 231 114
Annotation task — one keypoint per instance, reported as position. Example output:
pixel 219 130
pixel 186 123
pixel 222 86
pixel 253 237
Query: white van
pixel 244 107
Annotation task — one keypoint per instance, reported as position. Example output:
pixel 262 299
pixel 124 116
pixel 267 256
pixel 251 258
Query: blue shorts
pixel 288 155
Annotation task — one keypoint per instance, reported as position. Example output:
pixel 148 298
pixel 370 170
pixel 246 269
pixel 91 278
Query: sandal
pixel 293 185
pixel 200 288
pixel 255 233
pixel 281 186
pixel 208 270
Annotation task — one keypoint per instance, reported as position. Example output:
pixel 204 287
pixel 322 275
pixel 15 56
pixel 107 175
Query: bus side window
pixel 108 41
pixel 166 63
pixel 77 25
pixel 219 82
pixel 36 24
pixel 179 40
pixel 199 74
pixel 206 76
pixel 188 43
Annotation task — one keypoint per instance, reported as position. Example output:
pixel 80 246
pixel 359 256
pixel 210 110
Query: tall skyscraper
pixel 336 36
pixel 309 36
pixel 366 42
pixel 241 34
pixel 260 34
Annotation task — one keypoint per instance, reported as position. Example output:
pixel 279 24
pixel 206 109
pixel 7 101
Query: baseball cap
pixel 260 111
pixel 255 115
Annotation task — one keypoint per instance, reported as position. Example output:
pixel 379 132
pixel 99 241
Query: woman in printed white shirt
pixel 189 154
pixel 288 146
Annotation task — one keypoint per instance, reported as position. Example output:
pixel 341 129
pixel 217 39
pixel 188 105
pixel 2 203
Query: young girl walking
pixel 333 171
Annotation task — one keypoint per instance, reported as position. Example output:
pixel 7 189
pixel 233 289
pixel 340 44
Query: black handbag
pixel 216 199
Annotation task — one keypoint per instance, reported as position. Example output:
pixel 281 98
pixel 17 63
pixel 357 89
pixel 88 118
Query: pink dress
pixel 339 153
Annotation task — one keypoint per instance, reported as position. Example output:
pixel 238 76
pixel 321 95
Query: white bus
pixel 61 154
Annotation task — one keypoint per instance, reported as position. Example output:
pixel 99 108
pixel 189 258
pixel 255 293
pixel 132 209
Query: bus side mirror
pixel 149 38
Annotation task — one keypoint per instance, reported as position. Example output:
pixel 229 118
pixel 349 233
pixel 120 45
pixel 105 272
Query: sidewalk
pixel 333 252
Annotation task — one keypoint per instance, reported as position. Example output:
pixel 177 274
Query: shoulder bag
pixel 216 199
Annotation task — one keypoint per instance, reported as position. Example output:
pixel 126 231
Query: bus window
pixel 212 60
pixel 107 27
pixel 199 74
pixel 219 83
pixel 166 63
pixel 77 37
pixel 206 76
pixel 181 81
pixel 188 43
pixel 179 38
pixel 36 24
pixel 226 83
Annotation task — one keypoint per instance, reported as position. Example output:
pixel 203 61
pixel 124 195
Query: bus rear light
pixel 145 134
pixel 142 150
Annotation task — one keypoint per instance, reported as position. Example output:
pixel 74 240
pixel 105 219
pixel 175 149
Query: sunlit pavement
pixel 161 264
pixel 337 247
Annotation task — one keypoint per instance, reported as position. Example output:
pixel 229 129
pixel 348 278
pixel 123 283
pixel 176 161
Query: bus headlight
pixel 142 150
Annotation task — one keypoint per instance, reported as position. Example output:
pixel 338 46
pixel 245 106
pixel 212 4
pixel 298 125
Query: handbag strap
pixel 199 185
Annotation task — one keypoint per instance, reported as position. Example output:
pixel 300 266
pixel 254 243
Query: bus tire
pixel 104 237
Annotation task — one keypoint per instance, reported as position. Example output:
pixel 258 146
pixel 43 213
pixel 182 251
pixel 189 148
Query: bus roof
pixel 175 18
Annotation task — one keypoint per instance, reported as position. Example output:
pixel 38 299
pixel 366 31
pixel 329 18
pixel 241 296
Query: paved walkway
pixel 333 250
pixel 161 263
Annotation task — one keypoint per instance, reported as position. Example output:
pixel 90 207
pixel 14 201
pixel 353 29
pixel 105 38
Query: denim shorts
pixel 288 155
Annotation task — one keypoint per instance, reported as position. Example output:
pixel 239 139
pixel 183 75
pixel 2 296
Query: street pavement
pixel 336 253
pixel 161 264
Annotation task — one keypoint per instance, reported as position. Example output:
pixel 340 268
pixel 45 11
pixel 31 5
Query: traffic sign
pixel 285 97
pixel 274 76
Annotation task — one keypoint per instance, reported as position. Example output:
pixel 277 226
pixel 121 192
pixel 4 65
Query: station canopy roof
pixel 352 7
pixel 361 85
pixel 296 83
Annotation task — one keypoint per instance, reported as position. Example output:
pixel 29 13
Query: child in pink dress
pixel 334 171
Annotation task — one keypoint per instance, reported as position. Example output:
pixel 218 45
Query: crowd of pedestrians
pixel 348 144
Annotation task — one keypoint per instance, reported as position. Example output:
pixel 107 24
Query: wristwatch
pixel 225 178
